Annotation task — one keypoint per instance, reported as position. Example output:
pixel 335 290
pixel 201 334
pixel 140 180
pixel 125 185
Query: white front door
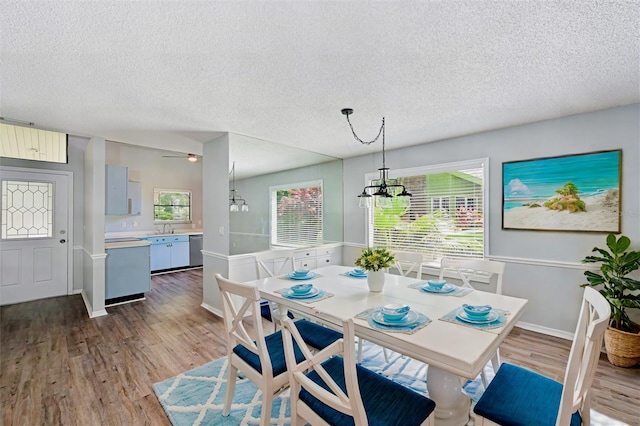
pixel 33 235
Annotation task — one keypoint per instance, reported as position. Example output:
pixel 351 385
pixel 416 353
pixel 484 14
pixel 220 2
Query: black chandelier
pixel 233 201
pixel 379 188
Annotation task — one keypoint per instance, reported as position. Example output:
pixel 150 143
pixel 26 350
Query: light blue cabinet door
pixel 116 188
pixel 135 198
pixel 127 272
pixel 160 256
pixel 179 254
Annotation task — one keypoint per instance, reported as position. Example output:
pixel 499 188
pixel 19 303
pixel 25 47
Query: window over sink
pixel 171 206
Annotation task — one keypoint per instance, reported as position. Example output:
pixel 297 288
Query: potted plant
pixel 376 261
pixel 622 338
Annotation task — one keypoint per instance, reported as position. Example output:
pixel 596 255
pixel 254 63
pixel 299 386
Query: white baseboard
pixel 545 330
pixel 90 311
pixel 214 311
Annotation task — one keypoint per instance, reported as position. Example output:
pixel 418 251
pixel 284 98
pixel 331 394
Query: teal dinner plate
pixel 288 293
pixel 410 319
pixel 447 288
pixel 462 316
pixel 309 276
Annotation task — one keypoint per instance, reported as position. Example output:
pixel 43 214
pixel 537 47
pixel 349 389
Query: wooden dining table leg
pixel 452 405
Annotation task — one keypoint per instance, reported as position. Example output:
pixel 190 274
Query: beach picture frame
pixel 575 193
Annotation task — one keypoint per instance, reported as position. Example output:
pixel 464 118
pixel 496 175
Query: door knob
pixel 63 241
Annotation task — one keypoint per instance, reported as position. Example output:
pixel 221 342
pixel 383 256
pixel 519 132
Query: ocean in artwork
pixel 538 180
pixel 527 185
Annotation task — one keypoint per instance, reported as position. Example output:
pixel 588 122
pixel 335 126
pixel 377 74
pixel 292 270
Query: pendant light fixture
pixel 235 198
pixel 380 188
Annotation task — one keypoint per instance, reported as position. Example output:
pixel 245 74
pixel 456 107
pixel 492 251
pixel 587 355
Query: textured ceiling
pixel 173 74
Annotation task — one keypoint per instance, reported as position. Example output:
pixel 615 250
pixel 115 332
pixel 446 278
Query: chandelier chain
pixel 380 132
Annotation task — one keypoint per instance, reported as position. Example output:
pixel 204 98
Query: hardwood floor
pixel 57 366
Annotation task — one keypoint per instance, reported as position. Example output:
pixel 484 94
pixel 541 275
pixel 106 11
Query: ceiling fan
pixel 191 157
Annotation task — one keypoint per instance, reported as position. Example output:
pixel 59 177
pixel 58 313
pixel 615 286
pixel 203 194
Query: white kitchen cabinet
pixel 116 190
pixel 169 252
pixel 317 257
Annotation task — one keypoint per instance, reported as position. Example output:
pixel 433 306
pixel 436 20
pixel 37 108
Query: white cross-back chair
pixel 408 263
pixel 271 264
pixel 520 396
pixel 468 271
pixel 329 388
pixel 261 357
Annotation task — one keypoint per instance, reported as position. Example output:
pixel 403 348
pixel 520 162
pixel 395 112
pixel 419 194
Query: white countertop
pixel 125 244
pixel 143 234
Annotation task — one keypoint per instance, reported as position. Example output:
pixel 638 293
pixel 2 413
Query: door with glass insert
pixel 33 235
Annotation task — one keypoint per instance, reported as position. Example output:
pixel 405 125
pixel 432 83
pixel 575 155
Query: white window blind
pixel 446 215
pixel 296 214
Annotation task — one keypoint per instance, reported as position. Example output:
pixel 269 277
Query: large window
pixel 171 206
pixel 296 214
pixel 445 217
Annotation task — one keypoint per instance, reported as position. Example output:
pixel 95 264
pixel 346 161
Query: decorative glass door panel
pixel 27 209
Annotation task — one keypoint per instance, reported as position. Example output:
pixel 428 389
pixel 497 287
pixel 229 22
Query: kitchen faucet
pixel 164 228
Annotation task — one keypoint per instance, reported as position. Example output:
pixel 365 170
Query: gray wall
pixel 543 267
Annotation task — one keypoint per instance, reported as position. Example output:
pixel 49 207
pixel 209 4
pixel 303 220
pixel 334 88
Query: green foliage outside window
pixel 172 206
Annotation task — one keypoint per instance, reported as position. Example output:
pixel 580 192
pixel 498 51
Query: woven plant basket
pixel 623 349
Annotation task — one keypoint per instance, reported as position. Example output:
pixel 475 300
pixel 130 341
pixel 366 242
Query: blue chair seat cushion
pixel 520 397
pixel 386 403
pixel 312 333
pixel 315 335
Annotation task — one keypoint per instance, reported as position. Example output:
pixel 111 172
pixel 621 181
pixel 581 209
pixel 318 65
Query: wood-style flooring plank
pixel 57 366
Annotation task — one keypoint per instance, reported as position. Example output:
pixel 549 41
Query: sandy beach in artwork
pixel 598 217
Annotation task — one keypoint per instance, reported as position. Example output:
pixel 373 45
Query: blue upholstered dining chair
pixel 260 358
pixel 517 396
pixel 330 388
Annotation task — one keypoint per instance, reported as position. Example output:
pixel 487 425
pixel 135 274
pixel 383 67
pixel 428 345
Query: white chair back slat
pixel 349 403
pixel 408 262
pixel 583 357
pixel 235 318
pixel 469 270
pixel 274 262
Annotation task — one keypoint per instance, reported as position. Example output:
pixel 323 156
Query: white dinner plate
pixel 311 293
pixel 411 318
pixel 462 315
pixel 354 275
pixel 447 288
pixel 309 276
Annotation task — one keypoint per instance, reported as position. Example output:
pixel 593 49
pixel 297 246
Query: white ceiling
pixel 174 74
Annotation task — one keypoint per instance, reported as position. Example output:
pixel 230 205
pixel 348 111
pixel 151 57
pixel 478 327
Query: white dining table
pixel 451 350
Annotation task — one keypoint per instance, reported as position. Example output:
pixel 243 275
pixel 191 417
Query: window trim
pixel 433 169
pixel 273 207
pixel 160 222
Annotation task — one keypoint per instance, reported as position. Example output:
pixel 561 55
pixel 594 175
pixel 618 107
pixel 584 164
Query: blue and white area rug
pixel 196 397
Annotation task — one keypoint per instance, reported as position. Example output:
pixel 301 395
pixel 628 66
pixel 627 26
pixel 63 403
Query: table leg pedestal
pixel 452 405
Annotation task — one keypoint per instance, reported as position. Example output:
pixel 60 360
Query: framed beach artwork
pixel 578 192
